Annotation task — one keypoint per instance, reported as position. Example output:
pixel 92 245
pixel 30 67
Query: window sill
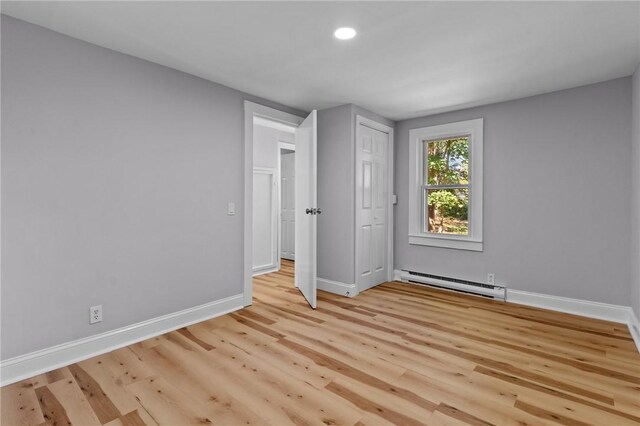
pixel 450 243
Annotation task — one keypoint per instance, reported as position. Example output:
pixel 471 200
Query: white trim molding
pixel 24 366
pixel 460 244
pixel 634 328
pixel 585 308
pixel 336 287
pixel 418 234
pixel 266 271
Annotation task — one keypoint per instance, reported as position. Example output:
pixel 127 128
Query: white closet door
pixel 372 205
pixel 288 206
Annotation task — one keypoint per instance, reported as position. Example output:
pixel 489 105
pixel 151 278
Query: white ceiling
pixel 408 59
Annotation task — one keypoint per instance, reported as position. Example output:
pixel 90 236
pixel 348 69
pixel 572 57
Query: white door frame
pixel 390 195
pixel 290 147
pixel 252 110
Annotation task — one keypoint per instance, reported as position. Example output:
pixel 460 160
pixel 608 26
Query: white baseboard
pixel 634 328
pixel 349 290
pixel 24 366
pixel 585 308
pixel 265 270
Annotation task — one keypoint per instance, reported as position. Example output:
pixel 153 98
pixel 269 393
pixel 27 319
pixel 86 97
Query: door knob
pixel 309 211
pixel 313 211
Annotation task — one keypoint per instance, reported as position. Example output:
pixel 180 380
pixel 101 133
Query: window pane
pixel 447 161
pixel 448 211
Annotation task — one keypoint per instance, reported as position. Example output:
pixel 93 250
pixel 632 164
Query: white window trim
pixel 473 241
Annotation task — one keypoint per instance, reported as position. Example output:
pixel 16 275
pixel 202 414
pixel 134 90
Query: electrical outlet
pixel 491 279
pixel 95 314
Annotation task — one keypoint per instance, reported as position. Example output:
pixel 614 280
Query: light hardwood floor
pixel 396 354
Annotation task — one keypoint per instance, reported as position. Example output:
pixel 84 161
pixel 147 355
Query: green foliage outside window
pixel 448 165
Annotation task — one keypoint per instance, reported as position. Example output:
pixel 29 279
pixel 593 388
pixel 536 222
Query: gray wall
pixel 335 224
pixel 635 192
pixel 265 145
pixel 336 190
pixel 116 174
pixel 556 195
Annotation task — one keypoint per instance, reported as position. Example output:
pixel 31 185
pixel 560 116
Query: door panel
pixel 306 198
pixel 365 258
pixel 379 184
pixel 379 232
pixel 366 186
pixel 372 205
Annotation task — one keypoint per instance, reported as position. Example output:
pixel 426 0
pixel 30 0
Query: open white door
pixel 306 208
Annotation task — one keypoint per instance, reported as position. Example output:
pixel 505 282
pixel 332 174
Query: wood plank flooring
pixel 396 354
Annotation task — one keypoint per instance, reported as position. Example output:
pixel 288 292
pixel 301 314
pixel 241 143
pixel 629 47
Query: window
pixel 445 206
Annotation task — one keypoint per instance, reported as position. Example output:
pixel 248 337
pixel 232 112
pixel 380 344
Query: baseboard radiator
pixel 455 284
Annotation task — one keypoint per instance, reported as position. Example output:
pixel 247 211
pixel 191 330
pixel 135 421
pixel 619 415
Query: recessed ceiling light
pixel 345 33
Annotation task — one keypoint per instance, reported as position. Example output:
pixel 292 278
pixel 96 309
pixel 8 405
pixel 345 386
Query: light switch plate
pixel 231 209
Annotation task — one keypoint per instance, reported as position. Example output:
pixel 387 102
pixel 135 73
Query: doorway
pixel 287 218
pixel 272 190
pixel 280 197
